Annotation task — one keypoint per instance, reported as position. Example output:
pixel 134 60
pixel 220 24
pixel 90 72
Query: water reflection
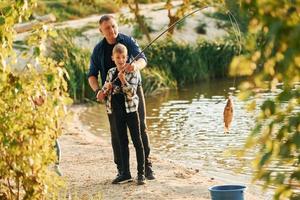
pixel 187 126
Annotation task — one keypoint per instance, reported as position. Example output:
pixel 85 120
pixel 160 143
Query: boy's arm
pixel 106 89
pixel 129 87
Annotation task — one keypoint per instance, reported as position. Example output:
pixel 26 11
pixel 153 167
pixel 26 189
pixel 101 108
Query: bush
pixel 192 63
pixel 28 131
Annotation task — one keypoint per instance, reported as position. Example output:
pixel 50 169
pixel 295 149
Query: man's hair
pixel 104 18
pixel 119 48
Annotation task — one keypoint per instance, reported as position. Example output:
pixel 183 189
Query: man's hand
pixel 130 67
pixel 138 64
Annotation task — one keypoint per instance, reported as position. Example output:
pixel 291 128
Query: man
pixel 101 61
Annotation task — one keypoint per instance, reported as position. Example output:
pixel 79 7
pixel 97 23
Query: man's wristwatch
pixel 96 92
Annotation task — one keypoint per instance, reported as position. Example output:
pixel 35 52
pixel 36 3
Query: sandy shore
pixel 88 170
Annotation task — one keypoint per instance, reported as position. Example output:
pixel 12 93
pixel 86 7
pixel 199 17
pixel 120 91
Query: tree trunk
pixel 140 20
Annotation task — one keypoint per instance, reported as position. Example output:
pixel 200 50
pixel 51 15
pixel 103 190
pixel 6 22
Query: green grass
pixel 66 10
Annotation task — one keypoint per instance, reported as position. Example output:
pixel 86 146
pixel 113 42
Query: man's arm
pixel 136 65
pixel 140 64
pixel 135 50
pixel 93 81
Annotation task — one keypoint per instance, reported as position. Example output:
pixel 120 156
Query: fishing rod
pixel 234 24
pixel 156 38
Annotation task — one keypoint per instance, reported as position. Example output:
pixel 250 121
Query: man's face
pixel 119 59
pixel 109 29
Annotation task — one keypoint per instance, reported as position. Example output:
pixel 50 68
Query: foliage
pixel 155 79
pixel 140 20
pixel 273 59
pixel 63 49
pixel 192 63
pixel 180 12
pixel 74 9
pixel 201 28
pixel 137 33
pixel 28 131
pixel 149 1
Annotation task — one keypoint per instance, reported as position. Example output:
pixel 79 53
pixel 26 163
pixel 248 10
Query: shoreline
pixel 88 169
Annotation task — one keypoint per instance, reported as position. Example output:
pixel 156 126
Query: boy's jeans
pixel 144 135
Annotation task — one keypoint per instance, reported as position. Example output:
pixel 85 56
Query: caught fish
pixel 228 115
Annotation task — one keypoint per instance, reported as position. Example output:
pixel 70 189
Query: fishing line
pixel 238 35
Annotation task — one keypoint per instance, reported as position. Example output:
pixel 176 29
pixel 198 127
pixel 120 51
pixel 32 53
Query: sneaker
pixel 141 180
pixel 149 174
pixel 57 170
pixel 122 179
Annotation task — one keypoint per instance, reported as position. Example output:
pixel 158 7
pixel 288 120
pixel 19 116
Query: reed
pixel 188 63
pixel 75 59
pixel 155 80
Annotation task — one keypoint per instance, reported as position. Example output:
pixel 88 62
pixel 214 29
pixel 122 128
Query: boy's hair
pixel 119 48
pixel 104 18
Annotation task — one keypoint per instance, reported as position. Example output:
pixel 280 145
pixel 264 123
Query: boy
pixel 122 101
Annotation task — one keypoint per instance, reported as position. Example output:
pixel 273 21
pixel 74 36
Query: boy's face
pixel 119 59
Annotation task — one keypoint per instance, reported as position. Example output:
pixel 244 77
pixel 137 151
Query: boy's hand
pixel 108 86
pixel 101 95
pixel 121 76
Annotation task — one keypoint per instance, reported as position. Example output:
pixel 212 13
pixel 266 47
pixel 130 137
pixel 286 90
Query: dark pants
pixel 143 126
pixel 143 129
pixel 131 120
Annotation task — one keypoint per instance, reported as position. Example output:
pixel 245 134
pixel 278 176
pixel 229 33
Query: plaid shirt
pixel 129 90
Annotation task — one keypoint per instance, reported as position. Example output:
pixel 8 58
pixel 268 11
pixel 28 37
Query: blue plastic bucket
pixel 227 192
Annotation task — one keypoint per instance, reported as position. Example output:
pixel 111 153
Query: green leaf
pixel 50 78
pixel 284 150
pixel 2 20
pixel 280 178
pixel 296 139
pixel 265 158
pixel 6 10
pixel 36 51
pixel 294 121
pixel 268 107
pixel 295 197
pixel 285 95
pixel 296 175
pixel 257 129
